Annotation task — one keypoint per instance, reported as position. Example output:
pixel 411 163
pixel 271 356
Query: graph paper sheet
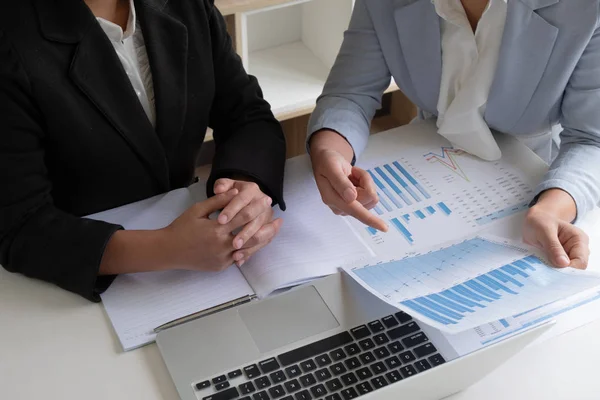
pixel 470 283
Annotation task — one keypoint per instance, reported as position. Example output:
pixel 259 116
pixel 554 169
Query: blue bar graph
pixel 459 299
pixel 533 260
pixel 454 286
pixel 450 304
pixel 428 313
pixel 493 284
pixel 444 208
pixel 402 229
pixel 438 308
pixel 419 214
pixel 401 181
pixel 514 271
pixel 406 217
pixel 372 231
pixel 430 210
pixel 523 265
pixel 384 203
pixel 385 190
pixel 468 293
pixel 505 278
pixel 392 184
pixel 378 210
pixel 412 180
pixel 482 290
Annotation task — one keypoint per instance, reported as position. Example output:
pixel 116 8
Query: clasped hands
pixel 244 226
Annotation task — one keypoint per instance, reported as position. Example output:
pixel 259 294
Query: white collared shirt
pixel 131 50
pixel 469 63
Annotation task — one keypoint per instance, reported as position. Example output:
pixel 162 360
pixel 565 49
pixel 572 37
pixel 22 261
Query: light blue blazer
pixel 548 74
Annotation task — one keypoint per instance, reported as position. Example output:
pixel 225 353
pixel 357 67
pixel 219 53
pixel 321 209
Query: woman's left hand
pixel 564 244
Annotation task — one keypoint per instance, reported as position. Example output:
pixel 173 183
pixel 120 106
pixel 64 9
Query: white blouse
pixel 469 63
pixel 131 50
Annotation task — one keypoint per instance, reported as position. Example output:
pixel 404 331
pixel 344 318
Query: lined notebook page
pixel 313 242
pixel 138 303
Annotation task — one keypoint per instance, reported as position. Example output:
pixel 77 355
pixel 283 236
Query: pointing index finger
pixel 359 212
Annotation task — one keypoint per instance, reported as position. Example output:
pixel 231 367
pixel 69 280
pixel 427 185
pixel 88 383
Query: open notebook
pixel 312 243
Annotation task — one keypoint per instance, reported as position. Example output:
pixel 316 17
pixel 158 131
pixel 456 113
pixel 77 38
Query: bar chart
pixel 586 305
pixel 402 223
pixel 471 283
pixel 445 195
pixel 397 188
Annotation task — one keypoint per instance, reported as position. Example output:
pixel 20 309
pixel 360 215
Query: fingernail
pixel 349 194
pixel 268 201
pixel 564 260
pixel 238 244
pixel 223 219
pixel 241 263
pixel 218 188
pixel 238 256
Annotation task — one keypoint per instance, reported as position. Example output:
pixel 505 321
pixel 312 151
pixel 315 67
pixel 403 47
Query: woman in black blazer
pixel 75 140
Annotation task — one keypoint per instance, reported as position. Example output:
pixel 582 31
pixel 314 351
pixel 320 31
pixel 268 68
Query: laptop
pixel 330 339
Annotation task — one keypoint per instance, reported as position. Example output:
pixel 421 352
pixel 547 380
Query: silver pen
pixel 209 311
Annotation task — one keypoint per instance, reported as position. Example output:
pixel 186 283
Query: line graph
pixel 447 158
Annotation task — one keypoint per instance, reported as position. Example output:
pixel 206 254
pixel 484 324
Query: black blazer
pixel 74 138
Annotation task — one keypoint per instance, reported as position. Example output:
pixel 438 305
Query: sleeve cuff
pixel 230 174
pixel 580 200
pixel 344 117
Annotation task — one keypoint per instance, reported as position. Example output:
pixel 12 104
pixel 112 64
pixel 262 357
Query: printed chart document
pixel 312 243
pixel 464 285
pixel 570 313
pixel 430 193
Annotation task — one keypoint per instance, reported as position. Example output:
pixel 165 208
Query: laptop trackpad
pixel 287 318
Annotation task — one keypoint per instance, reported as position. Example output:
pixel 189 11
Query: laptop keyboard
pixel 340 367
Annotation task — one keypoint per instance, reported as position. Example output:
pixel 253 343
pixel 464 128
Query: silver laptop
pixel 330 339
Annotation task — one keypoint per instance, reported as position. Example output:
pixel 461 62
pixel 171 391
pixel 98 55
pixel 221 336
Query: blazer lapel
pixel 97 71
pixel 167 46
pixel 526 48
pixel 419 32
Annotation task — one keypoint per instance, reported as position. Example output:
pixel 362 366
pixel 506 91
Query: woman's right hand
pixel 346 189
pixel 193 242
pixel 198 243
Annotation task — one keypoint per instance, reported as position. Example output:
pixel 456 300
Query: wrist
pixel 327 140
pixel 557 203
pixel 136 251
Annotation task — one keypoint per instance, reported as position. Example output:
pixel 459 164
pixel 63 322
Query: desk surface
pixel 54 345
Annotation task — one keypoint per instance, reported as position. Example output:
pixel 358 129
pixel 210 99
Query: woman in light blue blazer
pixel 521 67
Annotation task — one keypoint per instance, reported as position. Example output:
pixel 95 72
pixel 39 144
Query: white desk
pixel 55 345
